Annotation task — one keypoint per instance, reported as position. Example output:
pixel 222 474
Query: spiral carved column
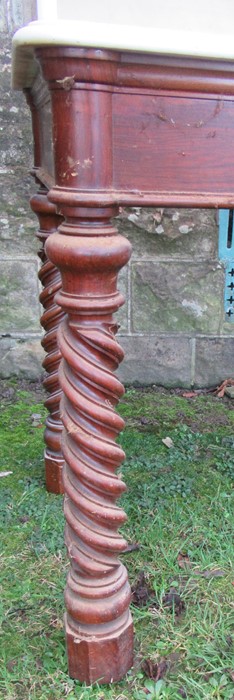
pixel 98 622
pixel 89 253
pixel 50 320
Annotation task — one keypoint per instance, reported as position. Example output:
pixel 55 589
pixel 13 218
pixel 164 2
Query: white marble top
pixel 203 29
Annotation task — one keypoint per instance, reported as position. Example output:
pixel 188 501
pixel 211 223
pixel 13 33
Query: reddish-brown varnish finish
pixel 51 281
pixel 127 129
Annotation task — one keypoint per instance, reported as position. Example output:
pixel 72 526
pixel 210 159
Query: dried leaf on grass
pixel 184 560
pixel 211 573
pixel 5 474
pixel 11 664
pixel 231 673
pixel 220 391
pixel 173 601
pixel 144 420
pixel 156 670
pixel 141 591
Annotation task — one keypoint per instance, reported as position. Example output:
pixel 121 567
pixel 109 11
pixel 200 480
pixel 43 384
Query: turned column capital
pixel 82 121
pixel 83 251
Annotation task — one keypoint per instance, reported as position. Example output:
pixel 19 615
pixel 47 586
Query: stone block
pixel 17 222
pixel 170 233
pixel 16 13
pixel 17 229
pixel 19 305
pixel 156 360
pixel 121 316
pixel 228 327
pixel 179 296
pixel 214 361
pixel 21 358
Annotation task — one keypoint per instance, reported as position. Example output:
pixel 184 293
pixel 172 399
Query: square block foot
pixel 53 474
pixel 102 660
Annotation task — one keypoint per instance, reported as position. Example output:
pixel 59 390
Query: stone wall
pixel 20 333
pixel 172 326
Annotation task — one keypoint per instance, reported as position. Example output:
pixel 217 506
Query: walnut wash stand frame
pixel 111 128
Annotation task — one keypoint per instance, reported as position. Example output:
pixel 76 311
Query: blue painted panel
pixel 226 234
pixel 229 293
pixel 226 254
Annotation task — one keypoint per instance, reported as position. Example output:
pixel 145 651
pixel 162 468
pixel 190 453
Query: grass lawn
pixel 180 523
